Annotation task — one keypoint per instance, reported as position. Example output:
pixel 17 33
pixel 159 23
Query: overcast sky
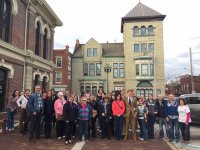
pixel 101 19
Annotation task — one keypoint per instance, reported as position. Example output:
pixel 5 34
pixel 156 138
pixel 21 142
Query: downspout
pixel 25 41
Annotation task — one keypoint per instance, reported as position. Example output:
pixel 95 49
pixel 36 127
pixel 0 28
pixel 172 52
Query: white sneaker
pixel 63 137
pixel 59 138
pixel 13 129
pixel 141 139
pixel 9 129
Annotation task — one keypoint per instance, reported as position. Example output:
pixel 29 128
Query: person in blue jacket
pixel 172 112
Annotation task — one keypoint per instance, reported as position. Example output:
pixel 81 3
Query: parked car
pixel 193 101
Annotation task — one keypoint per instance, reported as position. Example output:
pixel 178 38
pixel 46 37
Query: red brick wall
pixel 64 53
pixel 186 80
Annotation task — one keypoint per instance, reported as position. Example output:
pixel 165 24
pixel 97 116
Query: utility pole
pixel 191 69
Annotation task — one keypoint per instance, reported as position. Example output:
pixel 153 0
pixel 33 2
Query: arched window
pixel 143 31
pixel 87 89
pixel 36 80
pixel 5 11
pixel 37 39
pixel 45 45
pixel 135 31
pixel 150 30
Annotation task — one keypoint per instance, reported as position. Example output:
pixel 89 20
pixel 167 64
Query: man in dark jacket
pixel 70 112
pixel 105 114
pixel 36 106
pixel 162 116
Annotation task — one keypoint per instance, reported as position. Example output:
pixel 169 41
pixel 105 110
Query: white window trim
pixel 56 77
pixel 56 62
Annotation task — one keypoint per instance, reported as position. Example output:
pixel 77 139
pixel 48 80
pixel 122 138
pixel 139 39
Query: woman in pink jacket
pixel 58 107
pixel 118 109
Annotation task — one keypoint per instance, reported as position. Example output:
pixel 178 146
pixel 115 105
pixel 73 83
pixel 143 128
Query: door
pixel 2 89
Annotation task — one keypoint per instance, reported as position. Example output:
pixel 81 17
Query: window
pixel 135 31
pixel 5 11
pixel 144 69
pixel 150 30
pixel 115 73
pixel 37 40
pixel 94 90
pixel 115 65
pixel 69 58
pixel 69 68
pixel 143 30
pixel 92 69
pixel 59 62
pixel 94 52
pixel 121 72
pixel 143 47
pixel 118 70
pixel 58 77
pixel 145 92
pixel 85 69
pixel 69 77
pixel 89 52
pixel 137 70
pixel 98 69
pixel 151 70
pixel 151 46
pixel 136 48
pixel 45 46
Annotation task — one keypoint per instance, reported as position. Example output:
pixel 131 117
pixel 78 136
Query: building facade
pixel 26 46
pixel 62 72
pixel 137 63
pixel 186 84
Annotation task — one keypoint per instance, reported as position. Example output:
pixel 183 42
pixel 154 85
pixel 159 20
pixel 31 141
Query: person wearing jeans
pixel 11 110
pixel 118 109
pixel 152 111
pixel 84 115
pixel 162 116
pixel 172 113
pixel 184 120
pixel 36 106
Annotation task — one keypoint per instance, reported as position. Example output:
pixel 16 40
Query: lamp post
pixel 107 69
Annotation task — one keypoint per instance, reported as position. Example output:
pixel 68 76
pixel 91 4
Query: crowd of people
pixel 116 114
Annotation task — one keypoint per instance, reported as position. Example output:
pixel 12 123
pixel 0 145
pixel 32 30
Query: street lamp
pixel 107 69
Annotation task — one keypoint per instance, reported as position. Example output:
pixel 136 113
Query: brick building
pixel 62 72
pixel 186 84
pixel 26 45
pixel 137 63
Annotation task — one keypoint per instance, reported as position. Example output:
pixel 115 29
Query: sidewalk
pixel 194 143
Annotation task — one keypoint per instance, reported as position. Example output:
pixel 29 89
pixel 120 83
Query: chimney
pixel 67 47
pixel 77 44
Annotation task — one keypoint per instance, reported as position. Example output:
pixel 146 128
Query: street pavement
pixel 194 143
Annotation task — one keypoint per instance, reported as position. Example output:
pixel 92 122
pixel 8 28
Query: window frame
pixel 45 44
pixel 142 70
pixel 93 69
pixel 85 69
pixel 143 45
pixel 136 31
pixel 98 69
pixel 89 52
pixel 57 77
pixel 95 52
pixel 149 47
pixel 57 62
pixel 136 47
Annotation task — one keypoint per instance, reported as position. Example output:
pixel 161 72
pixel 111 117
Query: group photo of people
pixel 119 115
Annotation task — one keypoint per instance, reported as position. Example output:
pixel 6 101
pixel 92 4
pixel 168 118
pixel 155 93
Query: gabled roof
pixel 141 12
pixel 108 50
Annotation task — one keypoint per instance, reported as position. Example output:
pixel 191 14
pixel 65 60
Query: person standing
pixel 142 119
pixel 11 110
pixel 151 116
pixel 36 105
pixel 48 114
pixel 172 112
pixel 84 115
pixel 70 113
pixel 105 115
pixel 118 109
pixel 162 116
pixel 60 124
pixel 130 114
pixel 94 105
pixel 184 120
pixel 22 102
